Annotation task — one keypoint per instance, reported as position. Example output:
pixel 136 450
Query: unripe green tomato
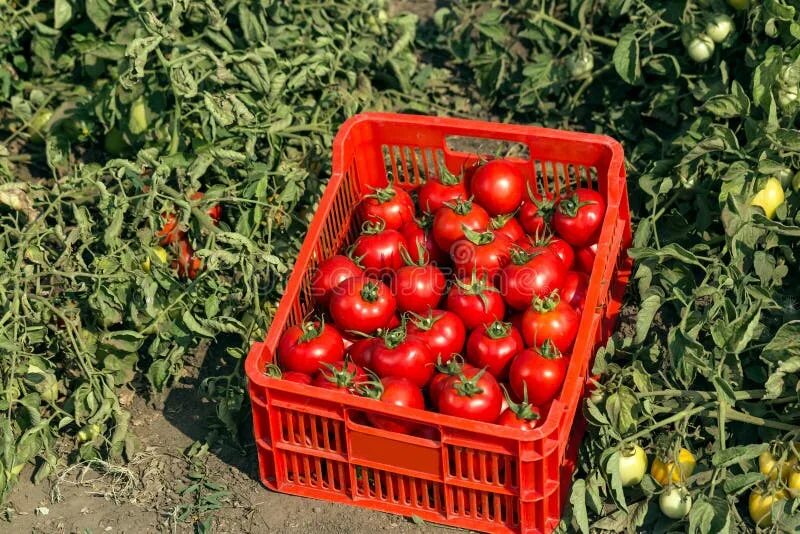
pixel 700 48
pixel 114 142
pixel 580 65
pixel 719 27
pixel 739 5
pixel 632 465
pixel 38 125
pixel 675 502
pixel 137 120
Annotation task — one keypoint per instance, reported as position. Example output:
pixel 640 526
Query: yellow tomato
pixel 771 466
pixel 794 482
pixel 160 253
pixel 760 506
pixel 769 197
pixel 664 472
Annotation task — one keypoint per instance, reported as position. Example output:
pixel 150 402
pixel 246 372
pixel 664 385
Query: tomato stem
pixel 477 238
pixel 448 178
pixel 468 387
pixel 382 194
pixel 570 206
pixel 498 330
pixel 373 227
pixel 546 304
pixel 369 292
pixel 460 206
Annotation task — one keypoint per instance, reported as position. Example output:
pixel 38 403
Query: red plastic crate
pixel 312 442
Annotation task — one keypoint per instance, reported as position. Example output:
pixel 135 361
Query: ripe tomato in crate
pixel 318 443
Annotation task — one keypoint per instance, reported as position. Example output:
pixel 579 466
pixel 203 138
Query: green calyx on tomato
pixel 520 256
pixel 383 194
pixel 548 350
pixel 477 286
pixel 546 304
pixel 312 329
pixel 468 387
pixel 460 206
pixel 342 376
pixel 422 254
pixel 477 238
pixel 372 388
pixel 523 410
pixel 453 366
pixel 499 221
pixel 394 337
pixel 570 206
pixel 273 371
pixel 370 291
pixel 498 330
pixel 373 227
pixel 448 178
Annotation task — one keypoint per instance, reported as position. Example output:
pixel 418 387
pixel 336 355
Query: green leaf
pixel 62 13
pixel 123 341
pixel 626 56
pixel 99 12
pixel 647 311
pixel 737 454
pixel 736 483
pixel 775 383
pixel 195 326
pixel 784 344
pixel 578 500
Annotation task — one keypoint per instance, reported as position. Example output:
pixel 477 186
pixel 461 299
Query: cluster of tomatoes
pixel 172 234
pixel 440 302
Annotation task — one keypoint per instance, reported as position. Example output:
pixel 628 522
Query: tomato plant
pixel 666 471
pixel 675 502
pixel 492 346
pixel 769 197
pixel 473 394
pixel 632 465
pixel 760 505
pixel 362 304
pixel 389 205
pixel 498 186
pixel 306 347
pixel 538 373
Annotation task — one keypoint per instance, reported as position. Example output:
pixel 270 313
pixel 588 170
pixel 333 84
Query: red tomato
pixel 418 232
pixel 584 258
pixel 539 373
pixel 454 366
pixel 574 289
pixel 550 319
pixel 492 346
pixel 508 226
pixel 480 252
pixel 578 217
pixel 401 354
pixel 418 288
pixel 214 211
pixel 530 274
pixel 498 186
pixel 378 249
pixel 329 274
pixel 476 302
pixel 391 205
pixel 534 212
pixel 396 391
pixel 556 245
pixel 345 376
pixel 474 394
pixel 290 376
pixel 306 347
pixel 522 416
pixel 360 352
pixel 170 232
pixel 443 331
pixel 436 191
pixel 362 304
pixel 449 222
pixel 187 264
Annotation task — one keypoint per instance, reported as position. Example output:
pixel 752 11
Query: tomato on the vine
pixel 769 197
pixel 378 249
pixel 187 264
pixel 290 376
pixel 329 274
pixel 522 415
pixel 666 472
pixel 498 186
pixel 344 376
pixel 214 211
pixel 171 231
pixel 391 205
pixel 675 502
pixel 362 304
pixel 578 217
pixel 442 330
pixel 395 391
pixel 473 394
pixel 540 372
pixel 492 346
pixel 632 465
pixel 444 371
pixel 475 301
pixel 507 225
pixel 399 353
pixel 306 347
pixel 530 274
pixel 434 193
pixel 480 252
pixel 552 319
pixel 760 503
pixel 574 289
pixel 450 220
pixel 418 287
pixel 418 232
pixel 773 465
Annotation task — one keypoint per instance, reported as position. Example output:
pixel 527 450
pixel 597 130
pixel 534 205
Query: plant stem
pixel 735 415
pixel 599 39
pixel 683 414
